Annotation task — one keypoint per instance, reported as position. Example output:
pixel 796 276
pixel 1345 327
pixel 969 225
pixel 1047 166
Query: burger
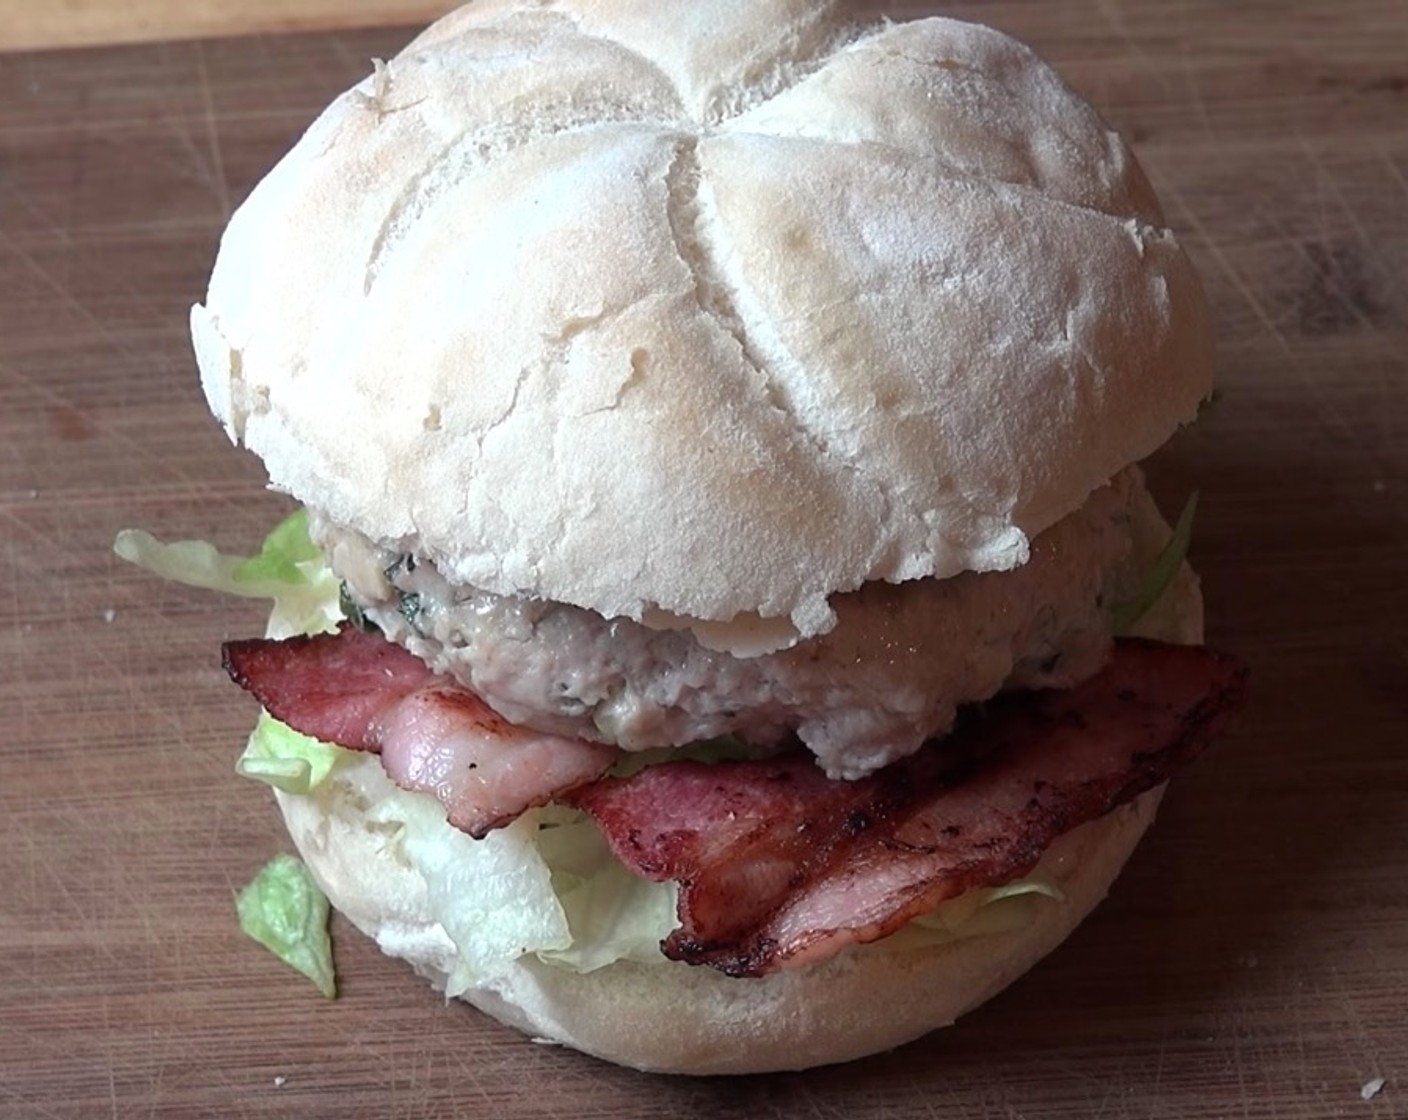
pixel 734 632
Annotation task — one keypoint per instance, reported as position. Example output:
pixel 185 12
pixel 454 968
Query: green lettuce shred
pixel 1161 574
pixel 286 548
pixel 612 913
pixel 289 569
pixel 286 759
pixel 284 910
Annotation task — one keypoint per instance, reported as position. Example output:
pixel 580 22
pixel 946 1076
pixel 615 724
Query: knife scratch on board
pixel 217 160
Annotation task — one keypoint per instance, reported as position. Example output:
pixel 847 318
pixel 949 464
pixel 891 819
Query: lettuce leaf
pixel 285 549
pixel 279 756
pixel 493 897
pixel 289 570
pixel 286 912
pixel 1161 573
pixel 613 915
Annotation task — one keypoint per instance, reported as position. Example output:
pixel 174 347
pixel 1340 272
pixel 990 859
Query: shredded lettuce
pixel 493 897
pixel 988 909
pixel 1161 573
pixel 284 911
pixel 613 914
pixel 289 570
pixel 279 756
pixel 284 551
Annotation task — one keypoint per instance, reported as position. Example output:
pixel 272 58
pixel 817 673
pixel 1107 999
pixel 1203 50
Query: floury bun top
pixel 699 313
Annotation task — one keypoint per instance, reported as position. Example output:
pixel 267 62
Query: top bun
pixel 702 311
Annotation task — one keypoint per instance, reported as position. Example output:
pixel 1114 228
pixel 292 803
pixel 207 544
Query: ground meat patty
pixel 888 676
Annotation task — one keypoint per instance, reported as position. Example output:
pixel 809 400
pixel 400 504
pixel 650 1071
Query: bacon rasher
pixel 780 866
pixel 360 691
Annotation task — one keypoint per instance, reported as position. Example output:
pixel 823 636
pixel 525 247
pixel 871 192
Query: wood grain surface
pixel 44 24
pixel 1252 962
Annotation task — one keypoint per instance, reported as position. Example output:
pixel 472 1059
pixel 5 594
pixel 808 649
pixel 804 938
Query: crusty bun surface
pixel 702 311
pixel 678 1018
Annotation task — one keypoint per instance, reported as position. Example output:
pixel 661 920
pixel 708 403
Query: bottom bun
pixel 677 1018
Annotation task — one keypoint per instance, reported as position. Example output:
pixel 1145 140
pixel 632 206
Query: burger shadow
pixel 1239 890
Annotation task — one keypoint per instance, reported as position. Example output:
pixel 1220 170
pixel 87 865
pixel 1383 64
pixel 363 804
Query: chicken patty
pixel 890 674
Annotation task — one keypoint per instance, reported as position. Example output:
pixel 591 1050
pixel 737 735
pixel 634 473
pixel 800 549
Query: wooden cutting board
pixel 29 25
pixel 1252 962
